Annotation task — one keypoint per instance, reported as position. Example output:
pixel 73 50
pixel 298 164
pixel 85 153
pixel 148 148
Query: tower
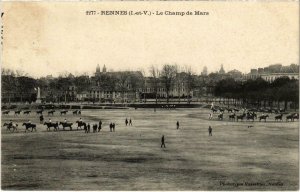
pixel 104 69
pixel 222 71
pixel 98 69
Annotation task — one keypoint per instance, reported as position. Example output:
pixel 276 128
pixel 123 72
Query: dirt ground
pixel 262 157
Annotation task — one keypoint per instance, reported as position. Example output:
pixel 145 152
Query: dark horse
pixel 63 112
pixel 11 126
pixel 251 116
pixel 17 112
pixel 40 112
pixel 263 117
pixel 26 112
pixel 76 112
pixel 5 112
pixel 80 124
pixel 29 125
pixel 290 117
pixel 241 117
pixel 232 117
pixel 49 125
pixel 278 117
pixel 51 112
pixel 66 125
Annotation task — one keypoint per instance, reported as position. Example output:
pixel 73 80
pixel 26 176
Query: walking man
pixel 163 142
pixel 113 127
pixel 126 121
pixel 88 128
pixel 209 131
pixel 177 124
pixel 110 127
pixel 130 122
pixel 100 126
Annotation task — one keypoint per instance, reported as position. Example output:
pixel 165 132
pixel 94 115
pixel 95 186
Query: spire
pixel 98 69
pixel 222 71
pixel 104 69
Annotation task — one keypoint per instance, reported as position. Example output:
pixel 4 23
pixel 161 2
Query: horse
pixel 251 116
pixel 94 128
pixel 75 112
pixel 232 117
pixel 63 112
pixel 278 117
pixel 214 110
pixel 241 117
pixel 66 125
pixel 28 126
pixel 49 125
pixel 17 112
pixel 10 126
pixel 291 117
pixel 27 112
pixel 5 112
pixel 80 124
pixel 263 117
pixel 40 112
pixel 220 116
pixel 51 112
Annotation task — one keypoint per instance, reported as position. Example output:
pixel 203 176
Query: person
pixel 80 120
pixel 10 123
pixel 65 120
pixel 113 127
pixel 177 124
pixel 100 126
pixel 110 127
pixel 41 118
pixel 126 121
pixel 29 122
pixel 50 121
pixel 130 122
pixel 209 131
pixel 210 116
pixel 163 142
pixel 88 128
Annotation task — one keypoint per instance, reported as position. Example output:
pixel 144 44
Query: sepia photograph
pixel 150 95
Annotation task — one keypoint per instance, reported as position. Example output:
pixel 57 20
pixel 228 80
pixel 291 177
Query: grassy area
pixel 263 157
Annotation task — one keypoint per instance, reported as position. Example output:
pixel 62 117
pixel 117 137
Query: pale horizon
pixel 42 38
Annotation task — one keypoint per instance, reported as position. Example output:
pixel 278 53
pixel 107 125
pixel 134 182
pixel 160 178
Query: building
pixel 121 86
pixel 275 71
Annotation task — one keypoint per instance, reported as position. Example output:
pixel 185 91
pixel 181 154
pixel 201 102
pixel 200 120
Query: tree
pixel 154 72
pixel 190 80
pixel 168 75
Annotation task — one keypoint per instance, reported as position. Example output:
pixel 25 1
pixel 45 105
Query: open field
pixel 263 157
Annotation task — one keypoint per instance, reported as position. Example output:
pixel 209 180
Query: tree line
pixel 259 93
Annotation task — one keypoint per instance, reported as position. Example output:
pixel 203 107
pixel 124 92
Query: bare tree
pixel 168 75
pixel 189 81
pixel 154 71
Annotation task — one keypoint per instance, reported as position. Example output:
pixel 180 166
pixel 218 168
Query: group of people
pixel 130 122
pixel 163 144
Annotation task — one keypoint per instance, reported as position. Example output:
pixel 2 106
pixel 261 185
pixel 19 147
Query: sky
pixel 50 38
